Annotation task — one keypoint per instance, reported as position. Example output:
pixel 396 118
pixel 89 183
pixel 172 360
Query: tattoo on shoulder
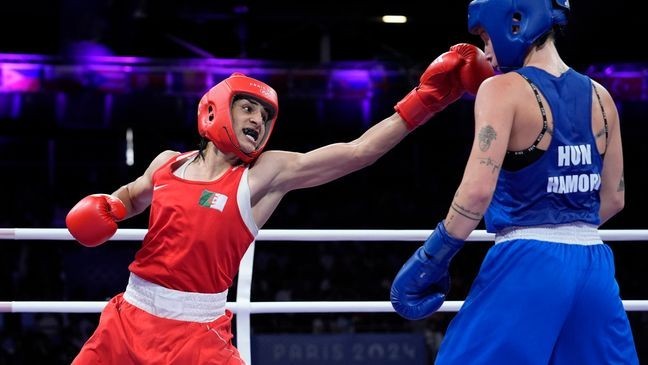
pixel 486 135
pixel 489 162
pixel 475 216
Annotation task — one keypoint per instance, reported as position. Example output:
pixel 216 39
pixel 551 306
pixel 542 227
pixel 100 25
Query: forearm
pixel 466 211
pixel 123 195
pixel 337 160
pixel 135 203
pixel 611 204
pixel 606 212
pixel 379 139
pixel 333 161
pixel 612 193
pixel 460 225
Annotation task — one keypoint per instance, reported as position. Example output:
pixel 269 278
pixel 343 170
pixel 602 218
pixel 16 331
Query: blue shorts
pixel 537 302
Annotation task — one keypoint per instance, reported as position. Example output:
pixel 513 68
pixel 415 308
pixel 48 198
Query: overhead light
pixel 394 19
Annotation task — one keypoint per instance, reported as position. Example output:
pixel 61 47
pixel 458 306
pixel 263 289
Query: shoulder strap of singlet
pixel 185 154
pixel 173 159
pixel 544 119
pixel 605 121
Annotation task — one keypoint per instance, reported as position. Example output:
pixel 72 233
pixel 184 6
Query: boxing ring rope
pixel 243 307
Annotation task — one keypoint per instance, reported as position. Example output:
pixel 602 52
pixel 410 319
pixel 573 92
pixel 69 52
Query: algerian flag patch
pixel 213 200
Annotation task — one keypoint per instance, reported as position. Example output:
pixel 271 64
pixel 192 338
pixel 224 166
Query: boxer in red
pixel 207 206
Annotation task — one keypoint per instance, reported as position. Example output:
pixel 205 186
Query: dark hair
pixel 202 145
pixel 555 32
pixel 268 108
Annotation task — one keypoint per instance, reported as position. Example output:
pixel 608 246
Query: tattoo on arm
pixel 486 135
pixel 451 215
pixel 449 218
pixel 475 216
pixel 621 184
pixel 489 162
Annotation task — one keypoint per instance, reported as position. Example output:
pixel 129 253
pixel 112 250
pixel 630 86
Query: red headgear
pixel 214 114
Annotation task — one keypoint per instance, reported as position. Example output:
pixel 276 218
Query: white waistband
pixel 174 304
pixel 573 233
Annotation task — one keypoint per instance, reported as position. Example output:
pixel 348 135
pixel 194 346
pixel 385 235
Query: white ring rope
pixel 252 307
pixel 256 307
pixel 62 234
pixel 243 307
pixel 243 303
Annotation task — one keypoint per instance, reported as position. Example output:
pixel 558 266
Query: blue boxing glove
pixel 421 285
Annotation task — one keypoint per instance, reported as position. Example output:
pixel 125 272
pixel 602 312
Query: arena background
pixel 78 76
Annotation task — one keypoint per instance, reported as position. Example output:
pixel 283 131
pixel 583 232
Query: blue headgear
pixel 513 25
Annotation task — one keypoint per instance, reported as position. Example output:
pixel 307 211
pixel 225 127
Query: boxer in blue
pixel 545 170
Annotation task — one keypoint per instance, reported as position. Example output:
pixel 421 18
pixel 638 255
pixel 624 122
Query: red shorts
pixel 129 335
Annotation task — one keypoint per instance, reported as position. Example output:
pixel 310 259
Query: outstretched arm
pixel 462 68
pixel 301 170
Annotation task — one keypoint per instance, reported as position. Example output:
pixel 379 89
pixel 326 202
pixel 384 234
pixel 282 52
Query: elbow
pixel 479 195
pixel 482 200
pixel 610 206
pixel 617 203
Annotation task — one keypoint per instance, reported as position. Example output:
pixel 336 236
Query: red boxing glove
pixel 92 221
pixel 461 69
pixel 475 69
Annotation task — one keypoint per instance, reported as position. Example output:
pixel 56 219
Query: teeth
pixel 251 134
